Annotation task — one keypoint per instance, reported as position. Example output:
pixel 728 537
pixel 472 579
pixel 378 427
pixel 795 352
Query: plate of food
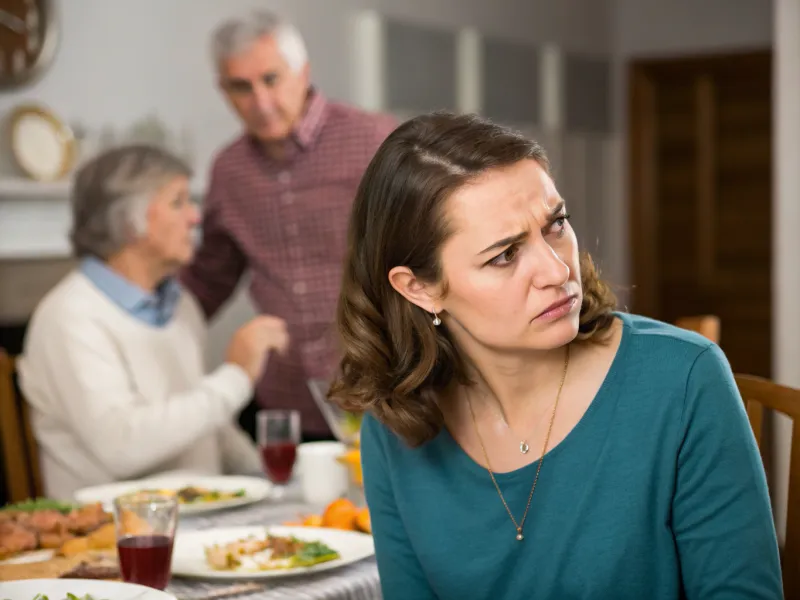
pixel 266 552
pixel 79 589
pixel 196 493
pixel 38 530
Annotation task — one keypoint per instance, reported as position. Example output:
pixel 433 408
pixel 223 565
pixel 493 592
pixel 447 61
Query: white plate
pixel 188 556
pixel 256 489
pixel 57 589
pixel 29 557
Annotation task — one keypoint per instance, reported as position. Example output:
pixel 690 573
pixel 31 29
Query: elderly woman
pixel 524 439
pixel 113 359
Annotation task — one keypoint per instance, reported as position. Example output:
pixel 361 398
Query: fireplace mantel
pixel 35 218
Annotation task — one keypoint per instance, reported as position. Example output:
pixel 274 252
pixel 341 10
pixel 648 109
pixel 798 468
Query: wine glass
pixel 278 436
pixel 145 525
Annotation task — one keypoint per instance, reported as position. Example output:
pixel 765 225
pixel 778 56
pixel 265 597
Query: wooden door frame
pixel 642 168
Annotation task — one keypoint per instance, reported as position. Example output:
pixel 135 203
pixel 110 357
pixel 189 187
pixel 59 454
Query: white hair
pixel 111 195
pixel 237 34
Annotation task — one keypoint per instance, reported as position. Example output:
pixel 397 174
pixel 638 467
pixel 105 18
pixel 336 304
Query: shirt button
pixel 284 177
pixel 291 229
pixel 299 287
pixel 287 198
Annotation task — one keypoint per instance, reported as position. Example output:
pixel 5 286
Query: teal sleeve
pixel 721 514
pixel 400 571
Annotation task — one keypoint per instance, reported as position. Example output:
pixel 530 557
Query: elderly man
pixel 113 358
pixel 279 201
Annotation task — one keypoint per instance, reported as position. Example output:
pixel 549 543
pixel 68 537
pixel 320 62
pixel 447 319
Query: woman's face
pixel 171 220
pixel 511 266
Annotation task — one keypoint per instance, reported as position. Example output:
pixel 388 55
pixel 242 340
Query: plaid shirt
pixel 285 221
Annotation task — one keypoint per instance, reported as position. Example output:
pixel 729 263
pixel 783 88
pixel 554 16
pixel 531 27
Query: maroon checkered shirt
pixel 286 223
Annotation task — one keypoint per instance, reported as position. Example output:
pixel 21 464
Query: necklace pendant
pixel 520 537
pixel 523 447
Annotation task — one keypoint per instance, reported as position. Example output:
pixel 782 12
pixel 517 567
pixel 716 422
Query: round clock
pixel 28 40
pixel 42 145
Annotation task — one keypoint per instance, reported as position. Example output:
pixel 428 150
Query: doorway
pixel 700 168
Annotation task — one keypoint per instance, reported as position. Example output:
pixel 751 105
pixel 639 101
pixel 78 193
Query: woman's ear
pixel 424 295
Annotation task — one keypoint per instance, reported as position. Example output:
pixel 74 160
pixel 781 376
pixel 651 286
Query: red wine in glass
pixel 278 459
pixel 278 436
pixel 145 559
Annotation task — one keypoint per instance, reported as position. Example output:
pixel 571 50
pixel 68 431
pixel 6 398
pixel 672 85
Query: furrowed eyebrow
pixel 506 241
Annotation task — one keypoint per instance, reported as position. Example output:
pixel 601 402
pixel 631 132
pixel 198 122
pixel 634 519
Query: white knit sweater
pixel 113 398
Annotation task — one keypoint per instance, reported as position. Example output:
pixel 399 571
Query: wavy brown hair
pixel 395 363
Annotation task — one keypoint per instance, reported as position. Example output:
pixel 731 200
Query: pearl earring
pixel 436 320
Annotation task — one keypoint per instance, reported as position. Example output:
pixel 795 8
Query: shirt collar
pixel 126 294
pixel 307 130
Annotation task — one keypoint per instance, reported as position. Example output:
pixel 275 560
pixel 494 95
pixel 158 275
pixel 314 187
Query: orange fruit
pixel 340 514
pixel 352 459
pixel 362 520
pixel 313 521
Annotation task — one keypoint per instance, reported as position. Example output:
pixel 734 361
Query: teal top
pixel 658 492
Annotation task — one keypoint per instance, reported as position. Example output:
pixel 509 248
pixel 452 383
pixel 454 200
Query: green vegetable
pixel 32 505
pixel 69 597
pixel 314 553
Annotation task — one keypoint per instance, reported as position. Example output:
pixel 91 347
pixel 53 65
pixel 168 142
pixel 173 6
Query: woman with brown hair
pixel 523 439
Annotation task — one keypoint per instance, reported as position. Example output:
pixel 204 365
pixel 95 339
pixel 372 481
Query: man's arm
pixel 219 263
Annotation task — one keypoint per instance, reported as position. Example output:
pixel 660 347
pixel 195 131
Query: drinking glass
pixel 145 524
pixel 278 436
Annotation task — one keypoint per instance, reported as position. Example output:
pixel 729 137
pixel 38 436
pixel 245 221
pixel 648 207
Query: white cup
pixel 323 479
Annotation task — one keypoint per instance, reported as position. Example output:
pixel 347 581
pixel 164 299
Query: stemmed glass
pixel 278 437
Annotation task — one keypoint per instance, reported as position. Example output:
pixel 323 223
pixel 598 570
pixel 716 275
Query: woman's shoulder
pixel 73 296
pixel 665 358
pixel 657 344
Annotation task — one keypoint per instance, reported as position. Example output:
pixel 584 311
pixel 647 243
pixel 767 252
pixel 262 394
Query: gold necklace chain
pixel 521 524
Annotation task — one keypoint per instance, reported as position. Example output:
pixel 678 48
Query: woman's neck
pixel 517 384
pixel 143 273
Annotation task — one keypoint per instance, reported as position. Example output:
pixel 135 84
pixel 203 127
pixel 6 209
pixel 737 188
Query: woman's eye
pixel 559 225
pixel 506 257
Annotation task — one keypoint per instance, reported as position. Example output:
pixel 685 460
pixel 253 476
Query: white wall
pixel 659 27
pixel 121 61
pixel 786 223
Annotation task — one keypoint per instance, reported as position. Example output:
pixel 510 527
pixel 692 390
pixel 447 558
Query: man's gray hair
pixel 111 194
pixel 237 34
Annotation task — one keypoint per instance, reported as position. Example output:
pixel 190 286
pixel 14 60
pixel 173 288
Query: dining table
pixel 356 581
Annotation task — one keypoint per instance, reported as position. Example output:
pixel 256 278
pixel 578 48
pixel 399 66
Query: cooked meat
pixel 86 570
pixel 190 494
pixel 15 538
pixel 283 547
pixel 43 521
pixel 87 518
pixel 54 539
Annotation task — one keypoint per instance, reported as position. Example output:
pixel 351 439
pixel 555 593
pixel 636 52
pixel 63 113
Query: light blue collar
pixel 154 309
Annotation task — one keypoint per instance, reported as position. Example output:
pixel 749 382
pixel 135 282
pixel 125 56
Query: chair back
pixel 20 451
pixel 706 325
pixel 761 395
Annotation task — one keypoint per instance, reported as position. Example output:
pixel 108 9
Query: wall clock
pixel 28 40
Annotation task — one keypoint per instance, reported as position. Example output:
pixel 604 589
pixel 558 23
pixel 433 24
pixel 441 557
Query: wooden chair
pixel 706 325
pixel 20 452
pixel 761 395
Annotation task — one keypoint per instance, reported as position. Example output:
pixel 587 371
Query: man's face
pixel 265 92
